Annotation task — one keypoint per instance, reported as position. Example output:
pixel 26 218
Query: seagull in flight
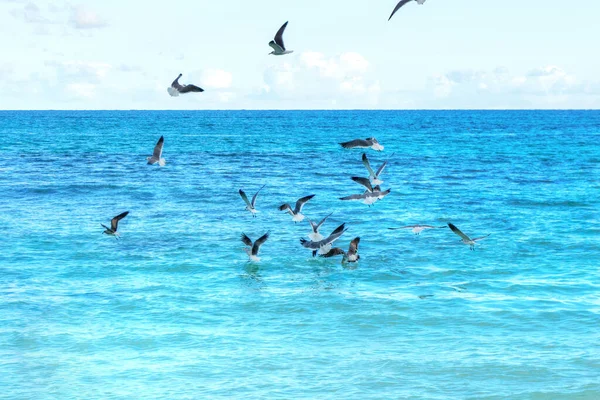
pixel 417 229
pixel 401 3
pixel 465 238
pixel 157 154
pixel 363 144
pixel 373 176
pixel 350 256
pixel 295 213
pixel 370 195
pixel 253 248
pixel 277 43
pixel 177 88
pixel 315 236
pixel 323 246
pixel 250 204
pixel 114 225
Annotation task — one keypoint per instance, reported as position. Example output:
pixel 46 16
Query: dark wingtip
pixel 282 207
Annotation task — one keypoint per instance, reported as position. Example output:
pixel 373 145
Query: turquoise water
pixel 174 309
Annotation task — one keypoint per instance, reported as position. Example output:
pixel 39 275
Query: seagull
pixel 250 205
pixel 277 44
pixel 114 224
pixel 417 229
pixel 401 3
pixel 373 176
pixel 323 246
pixel 465 238
pixel 370 195
pixel 315 236
pixel 350 256
pixel 177 88
pixel 295 213
pixel 252 251
pixel 156 155
pixel 362 144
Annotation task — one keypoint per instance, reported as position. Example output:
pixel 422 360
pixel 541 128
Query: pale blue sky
pixel 123 54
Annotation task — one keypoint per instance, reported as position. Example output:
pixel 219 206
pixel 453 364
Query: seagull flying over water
pixel 373 176
pixel 114 225
pixel 295 213
pixel 370 195
pixel 250 204
pixel 323 246
pixel 350 256
pixel 177 88
pixel 401 3
pixel 465 238
pixel 315 236
pixel 253 248
pixel 363 144
pixel 156 155
pixel 277 43
pixel 417 229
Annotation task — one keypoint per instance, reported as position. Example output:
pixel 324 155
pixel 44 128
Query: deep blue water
pixel 174 309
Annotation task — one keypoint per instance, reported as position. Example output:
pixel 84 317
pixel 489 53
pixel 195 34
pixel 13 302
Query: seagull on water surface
pixel 177 88
pixel 323 246
pixel 253 248
pixel 157 154
pixel 417 229
pixel 277 43
pixel 315 236
pixel 250 204
pixel 295 213
pixel 363 144
pixel 373 176
pixel 350 256
pixel 465 238
pixel 401 3
pixel 114 225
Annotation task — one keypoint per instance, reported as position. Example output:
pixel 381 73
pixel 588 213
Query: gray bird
pixel 349 256
pixel 465 239
pixel 277 43
pixel 176 88
pixel 114 223
pixel 253 248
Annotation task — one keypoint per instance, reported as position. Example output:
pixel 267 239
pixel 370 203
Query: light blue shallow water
pixel 174 310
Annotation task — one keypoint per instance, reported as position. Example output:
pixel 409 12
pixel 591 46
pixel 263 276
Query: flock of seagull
pixel 317 243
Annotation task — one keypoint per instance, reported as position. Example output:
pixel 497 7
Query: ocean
pixel 174 309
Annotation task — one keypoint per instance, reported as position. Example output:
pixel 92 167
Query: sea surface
pixel 174 310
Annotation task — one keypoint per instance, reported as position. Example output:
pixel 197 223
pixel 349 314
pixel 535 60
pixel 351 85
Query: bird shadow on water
pixel 251 277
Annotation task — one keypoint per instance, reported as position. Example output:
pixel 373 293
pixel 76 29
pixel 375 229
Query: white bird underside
pixel 172 91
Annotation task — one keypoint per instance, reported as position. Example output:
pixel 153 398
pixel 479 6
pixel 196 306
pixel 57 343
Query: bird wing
pixel 482 237
pixel 363 181
pixel 115 221
pixel 354 197
pixel 259 242
pixel 158 148
pixel 367 164
pixel 458 232
pixel 354 246
pixel 398 6
pixel 380 170
pixel 279 36
pixel 255 195
pixel 190 88
pixel 245 198
pixel 276 47
pixel 355 143
pixel 247 241
pixel 335 251
pixel 300 203
pixel 316 228
pixel 176 83
pixel 284 207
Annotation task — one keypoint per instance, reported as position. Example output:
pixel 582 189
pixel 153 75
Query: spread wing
pixel 367 164
pixel 336 251
pixel 354 197
pixel 300 203
pixel 355 143
pixel 255 195
pixel 285 206
pixel 176 84
pixel 276 47
pixel 245 198
pixel 190 88
pixel 115 221
pixel 482 237
pixel 247 241
pixel 380 170
pixel 259 242
pixel 363 181
pixel 279 36
pixel 158 148
pixel 354 246
pixel 398 6
pixel 458 232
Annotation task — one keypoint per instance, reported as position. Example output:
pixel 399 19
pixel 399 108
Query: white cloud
pixel 84 90
pixel 83 17
pixel 216 79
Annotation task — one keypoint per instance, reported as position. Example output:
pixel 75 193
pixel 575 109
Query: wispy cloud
pixel 82 17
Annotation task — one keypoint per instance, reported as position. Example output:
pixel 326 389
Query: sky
pixel 444 54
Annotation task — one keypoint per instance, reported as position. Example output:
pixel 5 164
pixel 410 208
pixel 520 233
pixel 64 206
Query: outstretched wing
pixel 300 203
pixel 245 198
pixel 115 221
pixel 367 165
pixel 354 246
pixel 255 195
pixel 482 237
pixel 380 170
pixel 363 181
pixel 259 242
pixel 284 207
pixel 355 143
pixel 398 6
pixel 336 251
pixel 190 88
pixel 158 148
pixel 176 84
pixel 458 232
pixel 354 197
pixel 279 36
pixel 246 240
pixel 316 227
